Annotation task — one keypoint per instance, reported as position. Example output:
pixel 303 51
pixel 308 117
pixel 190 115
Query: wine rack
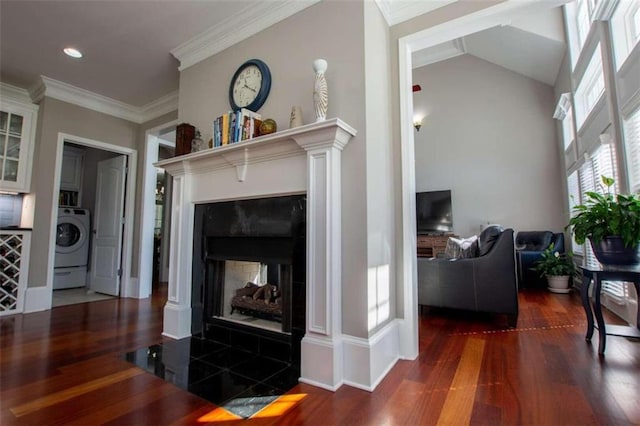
pixel 12 266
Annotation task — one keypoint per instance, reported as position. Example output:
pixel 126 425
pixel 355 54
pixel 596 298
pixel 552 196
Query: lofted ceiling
pixel 131 46
pixel 532 46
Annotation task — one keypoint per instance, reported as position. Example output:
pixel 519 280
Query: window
pixel 573 190
pixel 564 112
pixel 625 30
pixel 601 163
pixel 582 22
pixel 632 148
pixel 591 87
pixel 568 133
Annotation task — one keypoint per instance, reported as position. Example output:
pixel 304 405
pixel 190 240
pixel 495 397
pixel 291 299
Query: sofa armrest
pixel 446 283
pixel 496 283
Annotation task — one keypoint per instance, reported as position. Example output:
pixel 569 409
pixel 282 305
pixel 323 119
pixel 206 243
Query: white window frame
pixel 625 30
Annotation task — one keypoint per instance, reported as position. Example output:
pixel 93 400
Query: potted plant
pixel 611 223
pixel 557 268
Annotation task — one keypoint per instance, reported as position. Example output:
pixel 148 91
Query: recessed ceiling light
pixel 74 53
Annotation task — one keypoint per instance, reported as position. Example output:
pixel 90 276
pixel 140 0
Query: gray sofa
pixel 487 283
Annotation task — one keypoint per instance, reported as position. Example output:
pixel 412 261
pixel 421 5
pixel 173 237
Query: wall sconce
pixel 417 123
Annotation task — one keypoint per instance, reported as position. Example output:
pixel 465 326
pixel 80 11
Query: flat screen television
pixel 433 212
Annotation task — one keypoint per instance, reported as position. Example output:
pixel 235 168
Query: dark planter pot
pixel 612 251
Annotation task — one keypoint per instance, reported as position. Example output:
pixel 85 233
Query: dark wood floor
pixel 65 366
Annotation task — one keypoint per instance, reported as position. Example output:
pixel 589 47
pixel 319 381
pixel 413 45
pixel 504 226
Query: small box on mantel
pixel 185 133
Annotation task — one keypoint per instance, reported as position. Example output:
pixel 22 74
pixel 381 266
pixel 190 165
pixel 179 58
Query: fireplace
pixel 306 159
pixel 249 274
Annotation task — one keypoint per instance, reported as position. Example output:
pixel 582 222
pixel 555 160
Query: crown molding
pixel 439 53
pixel 160 106
pixel 16 95
pixel 397 11
pixel 249 21
pixel 74 95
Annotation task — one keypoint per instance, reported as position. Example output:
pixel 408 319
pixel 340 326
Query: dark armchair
pixel 529 248
pixel 483 284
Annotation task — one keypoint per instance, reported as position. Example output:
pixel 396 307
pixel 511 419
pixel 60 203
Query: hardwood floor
pixel 65 366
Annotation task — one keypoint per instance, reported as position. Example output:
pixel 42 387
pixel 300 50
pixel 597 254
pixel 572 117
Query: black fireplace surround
pixel 271 231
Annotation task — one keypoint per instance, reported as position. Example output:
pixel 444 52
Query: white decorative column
pixel 321 351
pixel 177 311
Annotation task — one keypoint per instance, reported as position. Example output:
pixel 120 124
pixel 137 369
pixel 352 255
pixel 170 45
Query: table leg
pixel 587 307
pixel 637 285
pixel 602 332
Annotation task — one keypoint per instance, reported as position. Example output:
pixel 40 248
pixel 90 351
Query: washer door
pixel 70 235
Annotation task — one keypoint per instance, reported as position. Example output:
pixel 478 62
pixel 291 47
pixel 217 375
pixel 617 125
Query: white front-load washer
pixel 72 248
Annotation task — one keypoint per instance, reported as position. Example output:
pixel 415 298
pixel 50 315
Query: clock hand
pixel 250 88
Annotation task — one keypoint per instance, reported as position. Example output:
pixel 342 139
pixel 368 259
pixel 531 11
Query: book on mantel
pixel 235 126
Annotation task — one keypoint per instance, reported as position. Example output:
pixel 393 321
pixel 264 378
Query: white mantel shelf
pixel 329 133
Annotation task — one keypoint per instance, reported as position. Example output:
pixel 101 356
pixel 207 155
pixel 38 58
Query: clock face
pixel 250 85
pixel 247 86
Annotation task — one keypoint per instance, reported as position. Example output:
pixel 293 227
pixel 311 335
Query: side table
pixel 597 275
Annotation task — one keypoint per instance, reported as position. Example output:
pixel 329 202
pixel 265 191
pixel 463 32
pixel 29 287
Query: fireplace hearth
pixel 249 269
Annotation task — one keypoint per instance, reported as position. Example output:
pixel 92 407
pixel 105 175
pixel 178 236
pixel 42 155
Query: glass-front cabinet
pixel 17 131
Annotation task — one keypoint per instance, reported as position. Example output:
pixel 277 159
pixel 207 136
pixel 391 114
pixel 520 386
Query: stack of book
pixel 235 126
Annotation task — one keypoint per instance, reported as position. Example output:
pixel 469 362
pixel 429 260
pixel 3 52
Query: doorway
pixel 96 185
pixel 155 216
pixel 450 30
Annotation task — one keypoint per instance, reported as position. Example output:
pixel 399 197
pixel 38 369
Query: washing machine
pixel 72 248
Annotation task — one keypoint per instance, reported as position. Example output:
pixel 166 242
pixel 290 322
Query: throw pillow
pixel 462 248
pixel 488 238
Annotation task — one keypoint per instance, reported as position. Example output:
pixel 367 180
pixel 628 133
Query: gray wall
pixel 55 117
pixel 381 294
pixel 489 136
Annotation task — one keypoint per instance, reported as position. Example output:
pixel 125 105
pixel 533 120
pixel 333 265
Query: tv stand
pixel 431 245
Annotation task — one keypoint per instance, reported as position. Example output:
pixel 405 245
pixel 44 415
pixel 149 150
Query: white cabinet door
pixel 17 130
pixel 72 169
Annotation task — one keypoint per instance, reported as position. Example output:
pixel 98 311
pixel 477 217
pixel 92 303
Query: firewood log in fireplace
pixel 263 301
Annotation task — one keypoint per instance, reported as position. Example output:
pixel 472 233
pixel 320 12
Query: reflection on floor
pixel 71 296
pixel 239 381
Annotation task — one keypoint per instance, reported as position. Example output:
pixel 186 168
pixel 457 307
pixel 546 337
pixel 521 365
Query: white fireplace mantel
pixel 333 133
pixel 322 143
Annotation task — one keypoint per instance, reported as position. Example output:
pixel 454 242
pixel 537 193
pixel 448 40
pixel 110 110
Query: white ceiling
pixel 533 47
pixel 128 44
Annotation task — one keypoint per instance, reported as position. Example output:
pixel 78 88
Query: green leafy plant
pixel 553 262
pixel 605 215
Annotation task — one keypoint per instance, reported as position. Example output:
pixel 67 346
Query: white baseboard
pixel 132 289
pixel 368 361
pixel 321 361
pixel 177 321
pixel 37 299
pixel 320 385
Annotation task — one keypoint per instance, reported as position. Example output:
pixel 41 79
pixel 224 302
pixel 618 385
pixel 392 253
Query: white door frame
pixel 501 14
pixel 148 209
pixel 127 239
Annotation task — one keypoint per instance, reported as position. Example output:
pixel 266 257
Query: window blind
pixel 602 163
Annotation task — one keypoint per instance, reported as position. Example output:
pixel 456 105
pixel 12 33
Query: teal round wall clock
pixel 250 85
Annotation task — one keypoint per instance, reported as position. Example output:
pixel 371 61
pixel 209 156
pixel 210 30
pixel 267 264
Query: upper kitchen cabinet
pixel 17 133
